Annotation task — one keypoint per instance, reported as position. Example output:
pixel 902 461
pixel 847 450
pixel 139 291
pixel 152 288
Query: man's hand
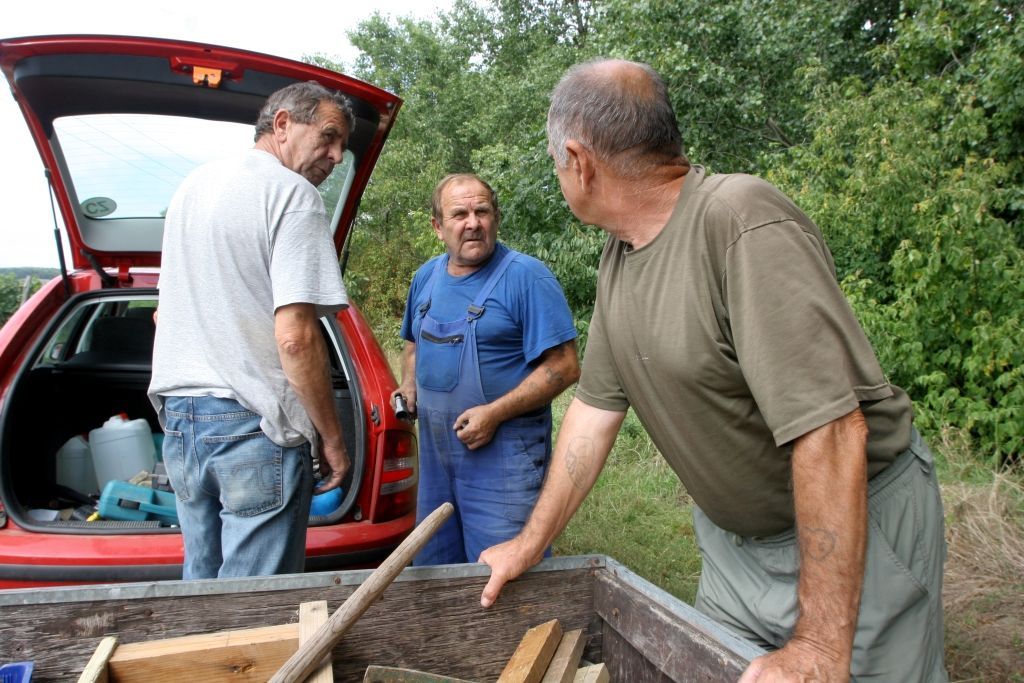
pixel 334 465
pixel 507 561
pixel 800 660
pixel 476 426
pixel 408 392
pixel 556 369
pixel 408 386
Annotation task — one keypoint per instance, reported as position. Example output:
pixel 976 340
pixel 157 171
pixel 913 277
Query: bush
pixel 916 184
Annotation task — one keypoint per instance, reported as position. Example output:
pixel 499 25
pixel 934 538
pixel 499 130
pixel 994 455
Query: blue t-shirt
pixel 525 315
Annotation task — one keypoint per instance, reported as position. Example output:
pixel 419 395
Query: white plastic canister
pixel 121 448
pixel 74 466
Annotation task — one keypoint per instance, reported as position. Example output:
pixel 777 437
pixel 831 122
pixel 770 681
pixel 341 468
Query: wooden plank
pixel 391 674
pixel 595 673
pixel 96 670
pixel 246 655
pixel 313 615
pixel 566 659
pixel 681 643
pixel 531 658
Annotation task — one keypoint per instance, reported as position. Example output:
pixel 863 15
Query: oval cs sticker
pixel 98 207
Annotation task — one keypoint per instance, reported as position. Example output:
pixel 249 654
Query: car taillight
pixel 399 475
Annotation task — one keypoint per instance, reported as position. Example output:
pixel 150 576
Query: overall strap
pixel 439 266
pixel 476 309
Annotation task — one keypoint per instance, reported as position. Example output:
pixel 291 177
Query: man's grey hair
pixel 435 200
pixel 301 100
pixel 619 110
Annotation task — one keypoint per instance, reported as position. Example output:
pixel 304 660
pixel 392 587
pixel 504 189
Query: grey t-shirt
pixel 730 337
pixel 243 236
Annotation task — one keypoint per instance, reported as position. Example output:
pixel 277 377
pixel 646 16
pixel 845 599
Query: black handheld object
pixel 402 411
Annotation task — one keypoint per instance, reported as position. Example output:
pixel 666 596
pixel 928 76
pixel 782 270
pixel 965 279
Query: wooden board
pixel 428 620
pixel 531 658
pixel 313 615
pixel 595 673
pixel 567 658
pixel 677 642
pixel 244 655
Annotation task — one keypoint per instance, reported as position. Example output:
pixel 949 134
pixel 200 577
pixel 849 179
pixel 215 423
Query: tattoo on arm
pixel 522 399
pixel 555 377
pixel 577 461
pixel 819 543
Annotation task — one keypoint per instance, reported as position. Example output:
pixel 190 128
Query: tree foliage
pixel 897 126
pixel 916 182
pixel 736 68
pixel 470 82
pixel 12 288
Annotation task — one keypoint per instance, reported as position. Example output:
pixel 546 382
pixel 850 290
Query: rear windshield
pixel 124 168
pixel 129 165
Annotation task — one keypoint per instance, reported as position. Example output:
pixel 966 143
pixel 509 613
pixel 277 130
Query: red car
pixel 119 122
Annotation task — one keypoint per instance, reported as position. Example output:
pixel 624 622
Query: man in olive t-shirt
pixel 719 320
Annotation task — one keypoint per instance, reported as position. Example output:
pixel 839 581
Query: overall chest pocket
pixel 439 359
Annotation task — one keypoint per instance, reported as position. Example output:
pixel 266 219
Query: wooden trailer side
pixel 652 637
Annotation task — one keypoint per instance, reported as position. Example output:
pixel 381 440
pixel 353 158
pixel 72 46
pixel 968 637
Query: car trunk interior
pixel 67 389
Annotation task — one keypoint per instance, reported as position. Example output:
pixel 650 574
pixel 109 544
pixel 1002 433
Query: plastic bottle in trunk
pixel 121 448
pixel 74 466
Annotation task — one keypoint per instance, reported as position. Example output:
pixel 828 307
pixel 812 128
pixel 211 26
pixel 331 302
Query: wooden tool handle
pixel 310 653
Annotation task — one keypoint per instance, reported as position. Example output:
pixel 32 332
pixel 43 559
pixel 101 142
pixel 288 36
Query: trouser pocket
pixel 249 469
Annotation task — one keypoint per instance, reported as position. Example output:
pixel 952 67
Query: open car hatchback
pixel 119 122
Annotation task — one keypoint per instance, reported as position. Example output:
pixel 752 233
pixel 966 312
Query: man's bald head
pixel 618 109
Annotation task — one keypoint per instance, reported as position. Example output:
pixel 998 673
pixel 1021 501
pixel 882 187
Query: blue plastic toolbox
pixel 18 672
pixel 124 501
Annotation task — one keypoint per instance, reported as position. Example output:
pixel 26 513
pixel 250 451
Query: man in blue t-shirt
pixel 490 342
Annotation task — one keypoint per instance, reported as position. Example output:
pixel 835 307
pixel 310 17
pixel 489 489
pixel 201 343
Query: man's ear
pixel 581 164
pixel 281 120
pixel 437 228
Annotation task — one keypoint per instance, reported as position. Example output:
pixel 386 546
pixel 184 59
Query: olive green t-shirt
pixel 729 336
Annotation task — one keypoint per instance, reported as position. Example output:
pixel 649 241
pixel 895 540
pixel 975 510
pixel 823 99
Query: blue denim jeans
pixel 243 501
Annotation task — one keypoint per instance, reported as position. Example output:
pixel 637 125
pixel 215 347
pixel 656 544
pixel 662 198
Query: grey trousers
pixel 749 583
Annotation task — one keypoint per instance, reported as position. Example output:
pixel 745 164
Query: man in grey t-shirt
pixel 719 320
pixel 240 375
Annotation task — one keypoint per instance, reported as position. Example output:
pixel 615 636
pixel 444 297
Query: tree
pixel 737 70
pixel 916 182
pixel 470 105
pixel 898 127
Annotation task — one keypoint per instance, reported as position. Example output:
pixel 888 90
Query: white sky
pixel 293 30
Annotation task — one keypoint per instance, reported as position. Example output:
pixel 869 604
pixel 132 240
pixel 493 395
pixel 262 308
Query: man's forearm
pixel 830 494
pixel 408 364
pixel 557 370
pixel 586 437
pixel 304 361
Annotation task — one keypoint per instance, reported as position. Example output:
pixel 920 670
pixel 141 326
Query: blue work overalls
pixel 494 487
